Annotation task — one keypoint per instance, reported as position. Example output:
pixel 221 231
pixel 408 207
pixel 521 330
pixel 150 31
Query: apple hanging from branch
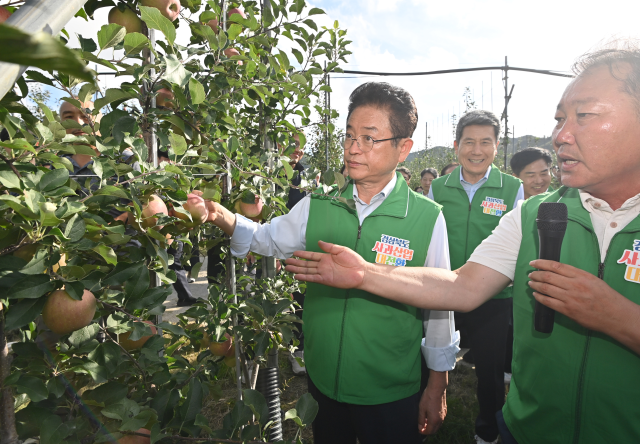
pixel 127 18
pixel 62 314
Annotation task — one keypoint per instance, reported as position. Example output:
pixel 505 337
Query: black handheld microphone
pixel 552 224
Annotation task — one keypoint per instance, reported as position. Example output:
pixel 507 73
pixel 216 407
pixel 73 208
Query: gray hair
pixel 477 117
pixel 612 55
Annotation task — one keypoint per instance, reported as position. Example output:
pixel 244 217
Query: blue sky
pixel 417 35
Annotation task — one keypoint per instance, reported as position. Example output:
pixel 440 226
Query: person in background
pixel 533 167
pixel 475 197
pixel 363 355
pixel 405 173
pixel 447 169
pixel 426 177
pixel 419 190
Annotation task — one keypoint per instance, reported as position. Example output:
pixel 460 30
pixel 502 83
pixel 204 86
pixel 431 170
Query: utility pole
pixel 505 112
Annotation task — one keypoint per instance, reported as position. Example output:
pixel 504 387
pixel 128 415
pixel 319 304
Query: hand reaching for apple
pixel 341 268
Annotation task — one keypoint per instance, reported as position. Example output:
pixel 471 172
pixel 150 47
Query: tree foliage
pixel 60 231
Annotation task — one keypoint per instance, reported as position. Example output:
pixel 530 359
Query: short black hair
pixel 416 188
pixel 431 171
pixel 404 170
pixel 477 117
pixel 4 135
pixel 403 114
pixel 452 164
pixel 522 158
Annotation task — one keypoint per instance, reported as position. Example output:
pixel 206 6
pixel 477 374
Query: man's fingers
pixel 308 255
pixel 555 267
pixel 302 270
pixel 316 278
pixel 301 263
pixel 551 278
pixel 550 302
pixel 330 248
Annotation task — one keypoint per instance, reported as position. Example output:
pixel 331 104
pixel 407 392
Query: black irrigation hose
pixel 268 383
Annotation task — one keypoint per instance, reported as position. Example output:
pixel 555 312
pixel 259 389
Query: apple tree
pixel 85 262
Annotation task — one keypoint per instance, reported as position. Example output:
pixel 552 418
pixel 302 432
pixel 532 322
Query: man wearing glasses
pixel 362 352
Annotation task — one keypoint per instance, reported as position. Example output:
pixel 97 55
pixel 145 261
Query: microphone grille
pixel 552 216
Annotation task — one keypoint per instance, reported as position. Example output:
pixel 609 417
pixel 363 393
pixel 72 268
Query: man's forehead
pixel 67 107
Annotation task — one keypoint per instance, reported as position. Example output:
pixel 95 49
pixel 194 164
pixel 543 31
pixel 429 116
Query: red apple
pixel 63 314
pixel 169 8
pixel 229 52
pixel 129 345
pixel 253 210
pixel 153 206
pixel 213 24
pixel 236 11
pixel 165 98
pixel 4 14
pixel 232 351
pixel 136 439
pixel 128 19
pixel 221 348
pixel 196 206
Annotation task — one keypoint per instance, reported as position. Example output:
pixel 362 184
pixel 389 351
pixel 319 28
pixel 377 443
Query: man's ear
pixel 496 148
pixel 405 149
pixel 455 147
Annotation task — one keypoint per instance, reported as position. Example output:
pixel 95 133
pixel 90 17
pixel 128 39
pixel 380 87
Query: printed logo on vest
pixel 493 206
pixel 392 251
pixel 632 259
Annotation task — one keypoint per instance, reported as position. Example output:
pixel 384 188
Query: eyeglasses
pixel 365 143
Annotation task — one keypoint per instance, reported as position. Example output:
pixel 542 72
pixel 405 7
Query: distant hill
pixel 519 143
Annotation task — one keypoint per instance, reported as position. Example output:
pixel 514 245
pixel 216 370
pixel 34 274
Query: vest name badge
pixel 632 259
pixel 392 251
pixel 493 206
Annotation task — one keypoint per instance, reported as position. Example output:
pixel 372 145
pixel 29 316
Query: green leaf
pixel 120 274
pixel 111 190
pixel 75 290
pixel 33 387
pixel 41 78
pixel 37 264
pixel 23 312
pixel 135 42
pixel 287 168
pixel 197 91
pixel 234 31
pixel 53 179
pixel 107 254
pixel 154 19
pixel 255 400
pixel 87 91
pixel 193 401
pixel 30 287
pixel 9 179
pixel 87 44
pixel 175 72
pixel 110 35
pixel 307 408
pixel 178 143
pixel 75 228
pixel 18 145
pixel 42 51
pixel 138 283
pixel 316 11
pixel 53 430
pixel 110 96
pixel 107 394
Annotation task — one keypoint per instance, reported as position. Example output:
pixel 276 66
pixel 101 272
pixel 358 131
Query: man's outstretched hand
pixel 340 267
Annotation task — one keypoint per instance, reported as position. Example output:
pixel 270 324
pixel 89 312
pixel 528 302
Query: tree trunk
pixel 8 434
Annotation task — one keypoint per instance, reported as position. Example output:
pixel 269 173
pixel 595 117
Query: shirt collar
pixel 382 194
pixel 591 203
pixel 485 178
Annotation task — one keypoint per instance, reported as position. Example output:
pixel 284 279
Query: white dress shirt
pixel 500 250
pixel 286 234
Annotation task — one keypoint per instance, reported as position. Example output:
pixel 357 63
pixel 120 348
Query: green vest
pixel 574 385
pixel 469 223
pixel 361 348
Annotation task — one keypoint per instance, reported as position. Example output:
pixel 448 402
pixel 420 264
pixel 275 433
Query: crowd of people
pixel 385 315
